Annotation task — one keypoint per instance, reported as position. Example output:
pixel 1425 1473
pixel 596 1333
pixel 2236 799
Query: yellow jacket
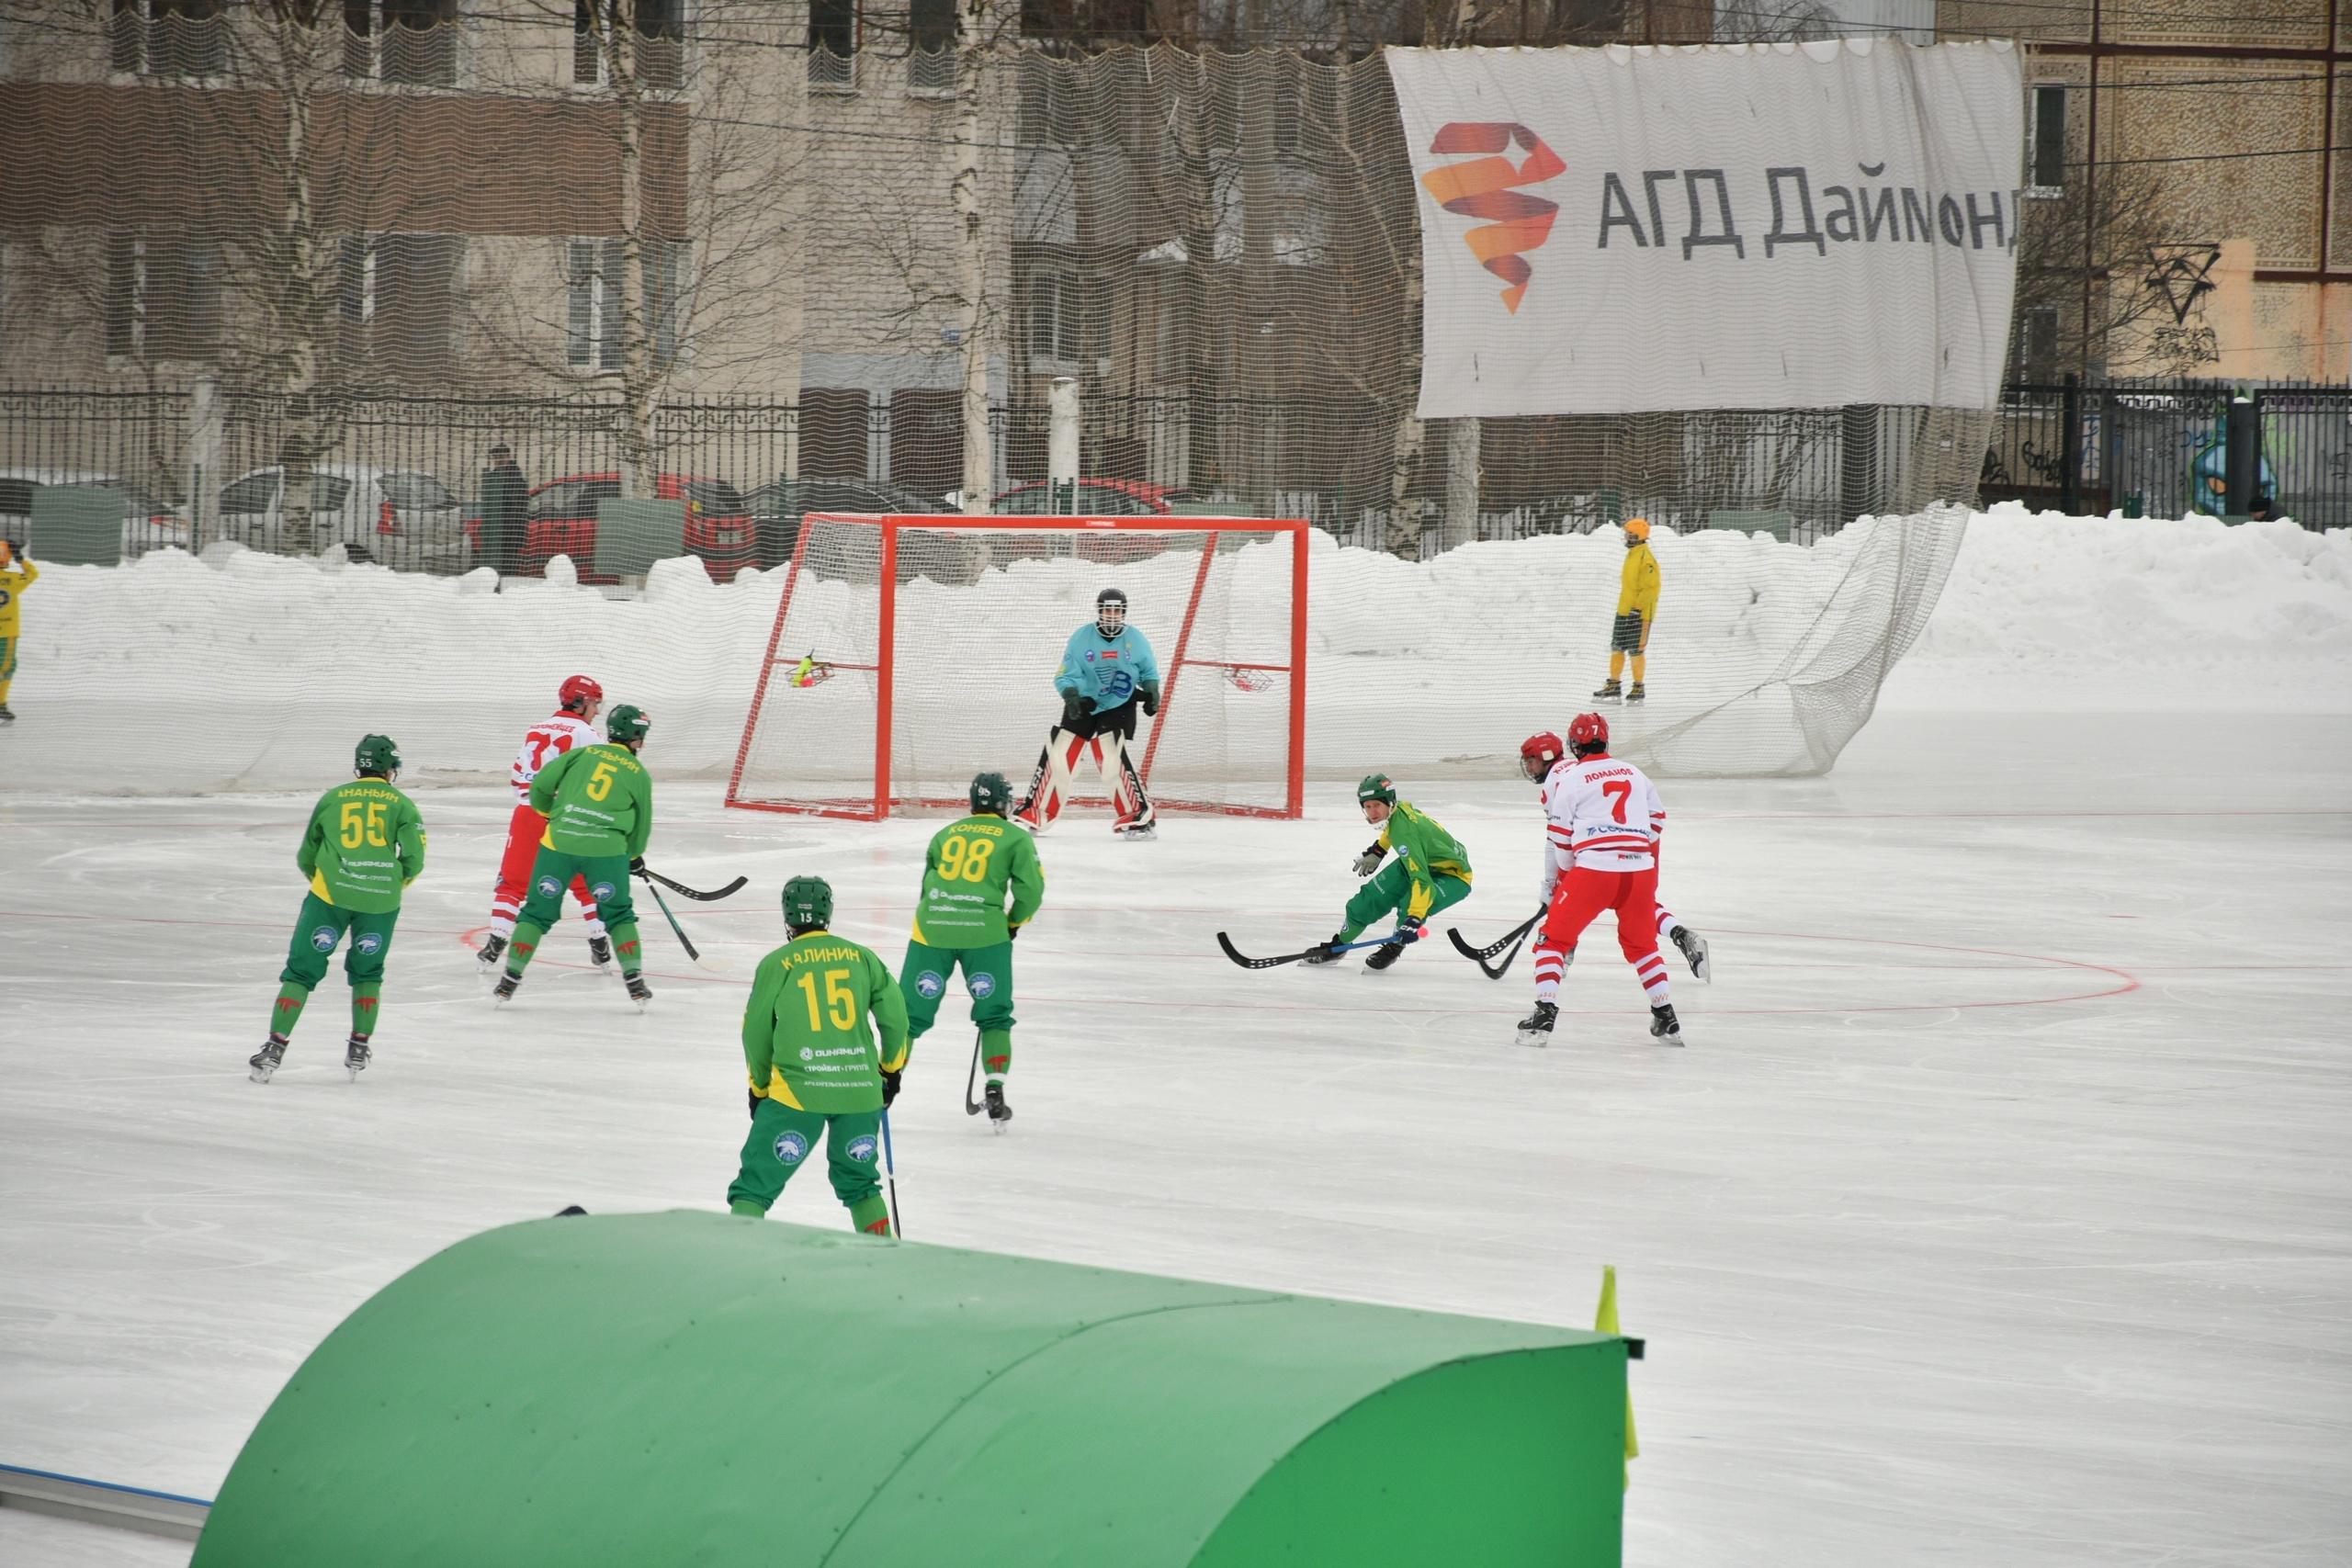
pixel 1638 591
pixel 12 588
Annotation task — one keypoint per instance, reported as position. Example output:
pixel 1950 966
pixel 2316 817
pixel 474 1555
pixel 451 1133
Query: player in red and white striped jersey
pixel 1602 821
pixel 571 725
pixel 1536 755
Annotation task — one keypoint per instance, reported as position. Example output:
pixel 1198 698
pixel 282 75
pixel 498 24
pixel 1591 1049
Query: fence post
pixel 1061 445
pixel 2070 448
pixel 2242 458
pixel 205 439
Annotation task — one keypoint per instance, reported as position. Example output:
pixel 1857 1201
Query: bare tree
pixel 2105 244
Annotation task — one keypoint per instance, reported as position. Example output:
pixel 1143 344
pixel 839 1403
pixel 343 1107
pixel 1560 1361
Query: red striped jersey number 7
pixel 1617 790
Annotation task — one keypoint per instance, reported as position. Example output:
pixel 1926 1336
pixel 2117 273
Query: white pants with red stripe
pixel 1581 894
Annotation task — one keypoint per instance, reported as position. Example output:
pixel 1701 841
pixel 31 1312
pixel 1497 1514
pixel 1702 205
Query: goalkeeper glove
pixel 1149 691
pixel 1075 707
pixel 1368 861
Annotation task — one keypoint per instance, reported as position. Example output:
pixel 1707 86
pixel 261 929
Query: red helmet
pixel 579 692
pixel 1588 732
pixel 1538 752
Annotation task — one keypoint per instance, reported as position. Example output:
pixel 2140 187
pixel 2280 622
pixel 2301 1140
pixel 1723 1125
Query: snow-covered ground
pixel 1997 1212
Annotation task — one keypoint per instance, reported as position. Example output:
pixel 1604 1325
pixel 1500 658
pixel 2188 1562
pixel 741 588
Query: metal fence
pixel 2156 449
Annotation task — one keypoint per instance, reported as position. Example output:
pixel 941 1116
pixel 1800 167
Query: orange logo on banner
pixel 1482 188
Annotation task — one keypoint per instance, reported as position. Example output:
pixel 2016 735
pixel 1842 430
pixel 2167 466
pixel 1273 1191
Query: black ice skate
pixel 1381 957
pixel 503 992
pixel 1610 690
pixel 639 991
pixel 356 1055
pixel 493 948
pixel 1535 1029
pixel 1323 952
pixel 1663 1027
pixel 999 1112
pixel 1635 695
pixel 1694 948
pixel 265 1061
pixel 600 952
pixel 5 716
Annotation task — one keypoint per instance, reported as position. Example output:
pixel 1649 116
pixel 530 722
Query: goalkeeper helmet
pixel 991 794
pixel 376 754
pixel 1637 532
pixel 1588 735
pixel 1109 612
pixel 1538 752
pixel 579 693
pixel 1376 787
pixel 807 903
pixel 628 722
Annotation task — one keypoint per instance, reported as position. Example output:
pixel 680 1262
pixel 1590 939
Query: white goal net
pixel 911 652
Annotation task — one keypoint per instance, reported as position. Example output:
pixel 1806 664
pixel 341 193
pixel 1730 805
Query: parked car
pixel 396 517
pixel 778 507
pixel 563 522
pixel 1096 498
pixel 148 523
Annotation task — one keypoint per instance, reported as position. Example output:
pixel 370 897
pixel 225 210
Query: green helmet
pixel 990 793
pixel 807 903
pixel 375 754
pixel 1376 787
pixel 627 722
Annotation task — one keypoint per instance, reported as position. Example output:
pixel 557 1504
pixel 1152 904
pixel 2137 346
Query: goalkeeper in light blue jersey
pixel 1108 671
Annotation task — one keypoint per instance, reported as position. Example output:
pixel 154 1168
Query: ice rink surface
pixel 1998 1213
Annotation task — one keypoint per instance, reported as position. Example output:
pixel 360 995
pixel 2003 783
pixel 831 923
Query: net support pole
pixel 1061 445
pixel 886 655
pixel 1295 800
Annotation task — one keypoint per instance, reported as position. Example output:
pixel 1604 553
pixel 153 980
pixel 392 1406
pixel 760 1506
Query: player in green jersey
pixel 365 844
pixel 960 918
pixel 809 1047
pixel 1430 871
pixel 598 801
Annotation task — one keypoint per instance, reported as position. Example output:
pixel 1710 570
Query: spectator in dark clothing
pixel 505 510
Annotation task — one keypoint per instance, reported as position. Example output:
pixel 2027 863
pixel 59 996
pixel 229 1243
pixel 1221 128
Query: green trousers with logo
pixel 781 1141
pixel 988 975
pixel 1389 892
pixel 607 880
pixel 317 930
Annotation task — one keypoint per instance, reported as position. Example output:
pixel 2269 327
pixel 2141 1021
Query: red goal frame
pixel 886 637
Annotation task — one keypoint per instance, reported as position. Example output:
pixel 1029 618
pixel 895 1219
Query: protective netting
pixel 957 650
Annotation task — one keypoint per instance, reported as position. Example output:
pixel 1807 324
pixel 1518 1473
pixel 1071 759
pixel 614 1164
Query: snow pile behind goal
pixel 249 672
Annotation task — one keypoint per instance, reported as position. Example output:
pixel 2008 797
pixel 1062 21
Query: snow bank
pixel 2112 614
pixel 251 672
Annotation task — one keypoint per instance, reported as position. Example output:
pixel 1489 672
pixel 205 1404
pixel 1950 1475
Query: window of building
pixel 1066 320
pixel 2045 153
pixel 931 57
pixel 163 297
pixel 597 272
pixel 397 295
pixel 169 38
pixel 414 42
pixel 2037 354
pixel 655 33
pixel 833 43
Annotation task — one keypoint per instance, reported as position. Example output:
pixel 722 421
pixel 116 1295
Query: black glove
pixel 1013 933
pixel 637 866
pixel 1368 861
pixel 1151 698
pixel 1075 707
pixel 890 1086
pixel 756 1098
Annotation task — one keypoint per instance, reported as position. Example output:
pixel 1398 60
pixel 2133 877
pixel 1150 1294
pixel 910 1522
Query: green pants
pixel 988 975
pixel 780 1142
pixel 317 930
pixel 1388 893
pixel 607 880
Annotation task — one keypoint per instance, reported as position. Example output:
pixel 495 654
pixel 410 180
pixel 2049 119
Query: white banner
pixel 1613 230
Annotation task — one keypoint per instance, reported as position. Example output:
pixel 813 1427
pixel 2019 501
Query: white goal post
pixel 910 652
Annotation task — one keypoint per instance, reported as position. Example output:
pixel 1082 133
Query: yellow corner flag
pixel 1605 1322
